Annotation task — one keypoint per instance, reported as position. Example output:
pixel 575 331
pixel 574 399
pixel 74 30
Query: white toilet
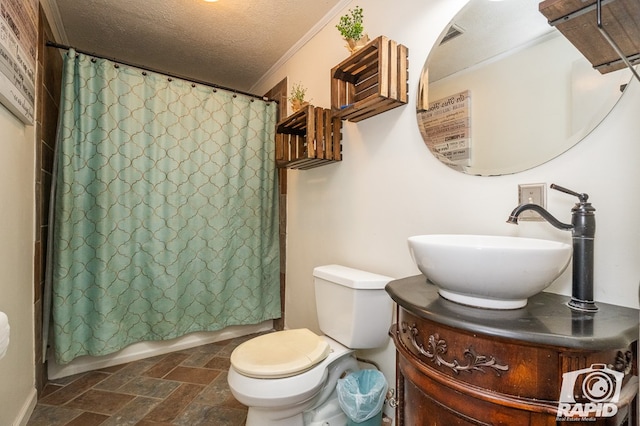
pixel 288 378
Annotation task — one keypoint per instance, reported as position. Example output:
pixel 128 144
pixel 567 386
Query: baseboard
pixel 27 408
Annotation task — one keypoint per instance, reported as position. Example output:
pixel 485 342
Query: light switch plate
pixel 532 193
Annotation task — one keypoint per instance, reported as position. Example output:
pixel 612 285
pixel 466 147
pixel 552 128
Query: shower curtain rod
pixel 191 80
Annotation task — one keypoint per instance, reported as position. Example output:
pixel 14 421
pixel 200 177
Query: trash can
pixel 361 395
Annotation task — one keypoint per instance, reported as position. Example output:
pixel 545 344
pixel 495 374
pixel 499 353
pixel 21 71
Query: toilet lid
pixel 280 354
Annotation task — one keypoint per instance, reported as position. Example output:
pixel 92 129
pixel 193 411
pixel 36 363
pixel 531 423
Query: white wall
pixel 17 371
pixel 388 187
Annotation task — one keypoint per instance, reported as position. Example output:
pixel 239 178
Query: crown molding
pixel 51 11
pixel 337 9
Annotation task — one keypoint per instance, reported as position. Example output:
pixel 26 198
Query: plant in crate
pixel 352 29
pixel 297 96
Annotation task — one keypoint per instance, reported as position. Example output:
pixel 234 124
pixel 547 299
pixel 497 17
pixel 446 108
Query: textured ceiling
pixel 489 28
pixel 231 43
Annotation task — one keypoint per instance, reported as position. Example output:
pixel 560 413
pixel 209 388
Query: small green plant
pixel 350 25
pixel 298 92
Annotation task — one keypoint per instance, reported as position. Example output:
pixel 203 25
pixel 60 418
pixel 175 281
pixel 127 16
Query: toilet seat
pixel 279 392
pixel 280 354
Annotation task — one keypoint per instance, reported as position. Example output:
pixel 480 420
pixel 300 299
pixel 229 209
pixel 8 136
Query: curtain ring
pixel 93 60
pixel 116 66
pixel 169 79
pixel 144 73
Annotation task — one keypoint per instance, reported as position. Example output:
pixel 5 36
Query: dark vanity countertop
pixel 546 320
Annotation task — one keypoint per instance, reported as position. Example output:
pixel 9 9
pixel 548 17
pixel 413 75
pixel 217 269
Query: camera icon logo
pixel 590 392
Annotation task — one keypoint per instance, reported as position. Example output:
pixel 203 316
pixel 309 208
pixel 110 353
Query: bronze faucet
pixel 583 230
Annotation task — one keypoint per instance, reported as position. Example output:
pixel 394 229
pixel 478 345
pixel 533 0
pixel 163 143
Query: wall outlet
pixel 532 193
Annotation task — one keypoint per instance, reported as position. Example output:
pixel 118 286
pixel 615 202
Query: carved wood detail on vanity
pixel 438 347
pixel 457 366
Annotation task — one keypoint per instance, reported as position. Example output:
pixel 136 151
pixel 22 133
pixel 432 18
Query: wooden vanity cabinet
pixel 458 365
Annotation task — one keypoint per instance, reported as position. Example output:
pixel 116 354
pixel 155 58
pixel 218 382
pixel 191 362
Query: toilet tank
pixel 353 307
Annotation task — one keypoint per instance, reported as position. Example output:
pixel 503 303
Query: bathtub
pixel 143 350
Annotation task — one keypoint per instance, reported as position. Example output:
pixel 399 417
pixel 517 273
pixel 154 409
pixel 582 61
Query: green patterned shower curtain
pixel 165 209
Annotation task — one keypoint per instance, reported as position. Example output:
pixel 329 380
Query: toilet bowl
pixel 288 378
pixel 283 401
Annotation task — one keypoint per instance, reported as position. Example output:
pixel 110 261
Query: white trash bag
pixel 361 394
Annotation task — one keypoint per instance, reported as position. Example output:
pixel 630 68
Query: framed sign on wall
pixel 18 45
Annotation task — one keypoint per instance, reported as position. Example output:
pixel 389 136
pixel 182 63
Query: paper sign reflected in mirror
pixel 446 128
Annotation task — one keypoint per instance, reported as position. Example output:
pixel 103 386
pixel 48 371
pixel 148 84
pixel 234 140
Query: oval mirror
pixel 503 91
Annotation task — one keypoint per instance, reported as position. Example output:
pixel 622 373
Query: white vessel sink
pixel 489 271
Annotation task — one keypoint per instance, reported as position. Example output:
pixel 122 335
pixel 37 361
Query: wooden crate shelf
pixel 308 138
pixel 371 81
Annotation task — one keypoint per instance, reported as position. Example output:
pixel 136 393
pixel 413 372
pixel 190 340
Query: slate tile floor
pixel 183 388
